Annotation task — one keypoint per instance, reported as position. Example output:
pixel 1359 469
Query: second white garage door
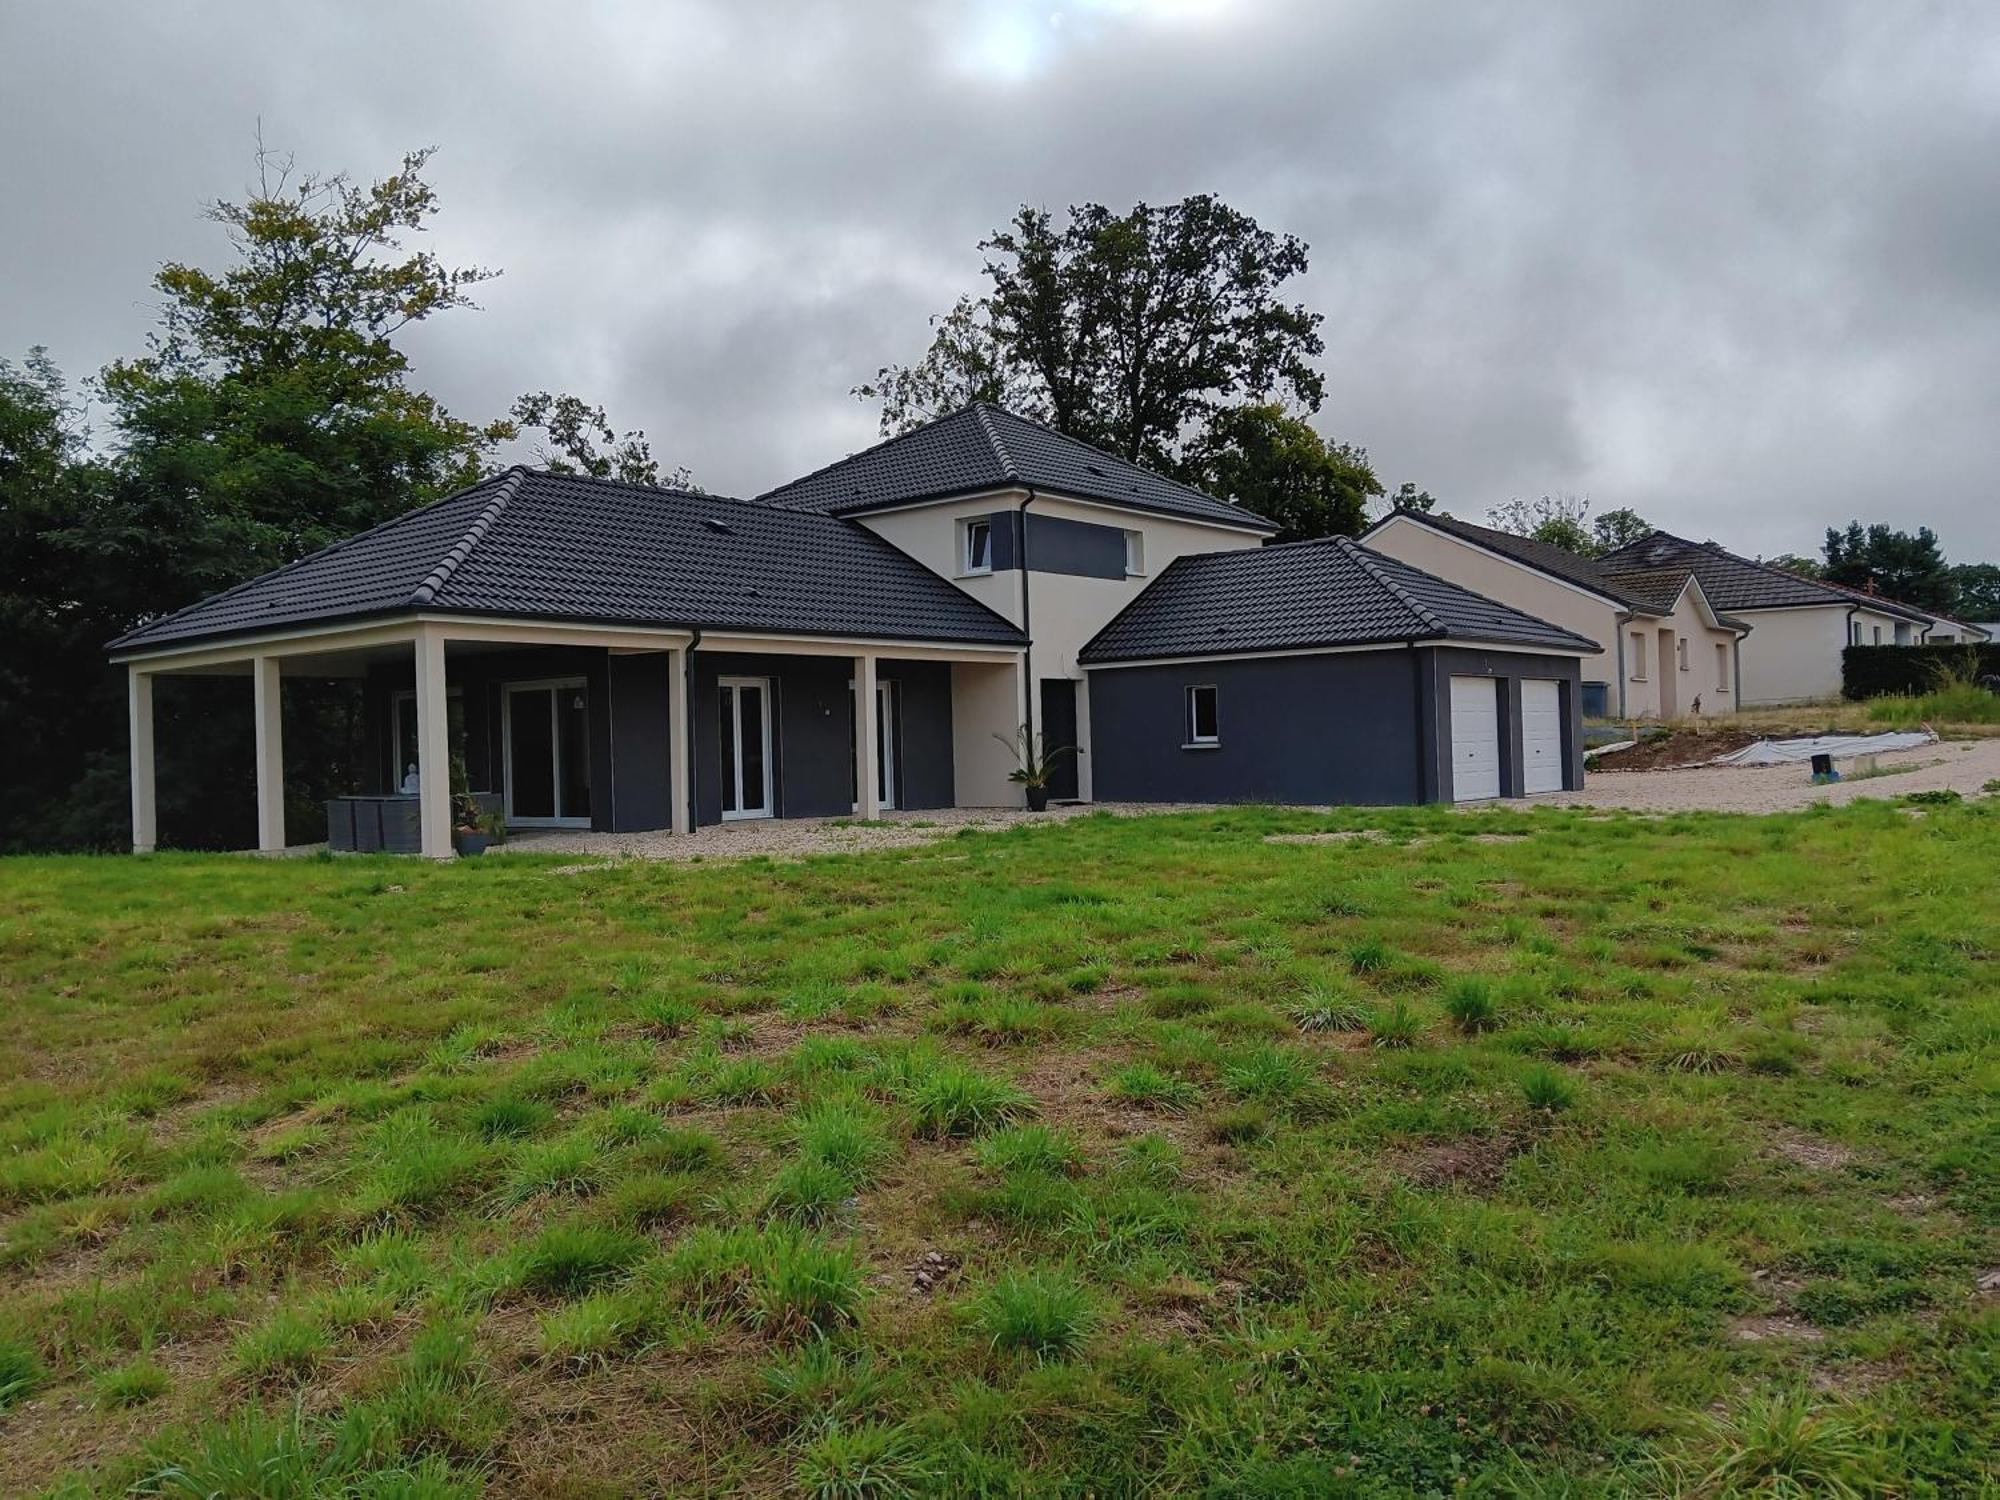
pixel 1475 739
pixel 1541 736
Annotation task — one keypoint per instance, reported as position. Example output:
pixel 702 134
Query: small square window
pixel 1203 725
pixel 1681 650
pixel 1878 635
pixel 1722 666
pixel 1135 553
pixel 978 547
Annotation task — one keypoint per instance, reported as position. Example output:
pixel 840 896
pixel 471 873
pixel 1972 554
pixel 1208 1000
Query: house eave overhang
pixel 1249 523
pixel 1630 605
pixel 1389 643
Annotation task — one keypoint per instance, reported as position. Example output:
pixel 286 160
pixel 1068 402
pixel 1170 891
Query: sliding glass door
pixel 746 747
pixel 548 753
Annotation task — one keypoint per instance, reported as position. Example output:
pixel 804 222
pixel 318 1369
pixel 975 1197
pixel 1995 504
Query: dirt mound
pixel 1677 747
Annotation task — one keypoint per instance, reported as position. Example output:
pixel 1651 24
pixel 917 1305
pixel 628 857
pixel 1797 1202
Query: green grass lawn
pixel 1515 1153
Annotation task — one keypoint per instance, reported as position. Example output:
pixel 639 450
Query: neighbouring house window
pixel 1203 727
pixel 978 547
pixel 1135 553
pixel 1722 667
pixel 1681 652
pixel 1638 656
pixel 1878 635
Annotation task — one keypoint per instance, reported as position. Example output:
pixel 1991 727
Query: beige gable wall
pixel 1793 655
pixel 1065 611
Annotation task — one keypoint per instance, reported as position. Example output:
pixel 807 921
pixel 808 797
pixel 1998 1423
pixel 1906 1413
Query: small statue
pixel 411 783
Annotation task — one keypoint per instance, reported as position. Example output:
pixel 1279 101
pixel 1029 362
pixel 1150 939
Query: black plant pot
pixel 471 843
pixel 1038 798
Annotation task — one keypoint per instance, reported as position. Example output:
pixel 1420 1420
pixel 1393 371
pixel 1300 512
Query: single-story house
pixel 1800 625
pixel 584 653
pixel 1323 671
pixel 1665 649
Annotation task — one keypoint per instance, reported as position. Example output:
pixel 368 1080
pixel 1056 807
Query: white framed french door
pixel 886 739
pixel 545 733
pixel 746 747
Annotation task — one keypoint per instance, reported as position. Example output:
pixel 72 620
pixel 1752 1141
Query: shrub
pixel 286 1348
pixel 954 1100
pixel 1908 672
pixel 1032 1148
pixel 1271 1075
pixel 1548 1088
pixel 567 1259
pixel 1240 1124
pixel 573 1165
pixel 844 1135
pixel 1469 1003
pixel 1149 1087
pixel 865 1461
pixel 20 1372
pixel 1322 1008
pixel 1396 1026
pixel 807 1192
pixel 1048 1313
pixel 130 1385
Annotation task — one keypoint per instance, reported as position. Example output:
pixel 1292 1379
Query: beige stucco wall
pixel 1065 611
pixel 1793 655
pixel 1653 686
pixel 986 711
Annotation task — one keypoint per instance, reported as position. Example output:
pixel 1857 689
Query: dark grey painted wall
pixel 1360 727
pixel 813 732
pixel 641 689
pixel 1508 668
pixel 1341 727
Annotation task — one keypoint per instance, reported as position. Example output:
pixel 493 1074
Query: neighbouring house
pixel 1665 648
pixel 1799 625
pixel 583 653
pixel 1325 672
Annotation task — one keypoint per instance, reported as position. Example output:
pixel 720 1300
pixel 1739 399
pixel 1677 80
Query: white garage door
pixel 1475 739
pixel 1541 736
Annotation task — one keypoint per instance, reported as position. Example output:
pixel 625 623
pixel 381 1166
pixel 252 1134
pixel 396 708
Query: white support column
pixel 867 760
pixel 433 747
pixel 139 702
pixel 679 783
pixel 268 695
pixel 1086 790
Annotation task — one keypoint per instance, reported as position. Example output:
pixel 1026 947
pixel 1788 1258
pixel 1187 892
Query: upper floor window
pixel 977 554
pixel 1135 553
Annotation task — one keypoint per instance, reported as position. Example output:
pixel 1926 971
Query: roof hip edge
pixel 434 581
pixel 982 413
pixel 1368 561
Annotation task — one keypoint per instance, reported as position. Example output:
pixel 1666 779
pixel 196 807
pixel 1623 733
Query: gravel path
pixel 1964 766
pixel 795 838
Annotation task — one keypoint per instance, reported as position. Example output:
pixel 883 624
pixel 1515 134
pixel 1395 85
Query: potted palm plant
pixel 1034 768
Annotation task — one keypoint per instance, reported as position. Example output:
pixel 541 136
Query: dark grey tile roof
pixel 1654 595
pixel 536 545
pixel 985 447
pixel 1332 592
pixel 1731 582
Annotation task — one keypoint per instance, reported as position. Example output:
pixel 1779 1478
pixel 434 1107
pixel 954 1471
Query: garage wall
pixel 1328 728
pixel 1443 663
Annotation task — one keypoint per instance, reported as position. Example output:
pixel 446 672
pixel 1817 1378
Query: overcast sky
pixel 1735 266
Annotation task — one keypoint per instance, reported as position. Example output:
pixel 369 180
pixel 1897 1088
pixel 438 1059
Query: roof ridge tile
pixel 434 582
pixel 982 412
pixel 1368 562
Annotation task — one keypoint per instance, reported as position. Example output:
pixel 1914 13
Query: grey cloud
pixel 1732 266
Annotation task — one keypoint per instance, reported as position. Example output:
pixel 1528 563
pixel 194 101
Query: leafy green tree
pixel 1274 463
pixel 1559 520
pixel 1791 562
pixel 581 440
pixel 271 414
pixel 1901 565
pixel 966 362
pixel 1977 588
pixel 1616 528
pixel 1409 497
pixel 1126 330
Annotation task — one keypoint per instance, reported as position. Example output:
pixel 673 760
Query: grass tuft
pixel 1046 1313
pixel 955 1100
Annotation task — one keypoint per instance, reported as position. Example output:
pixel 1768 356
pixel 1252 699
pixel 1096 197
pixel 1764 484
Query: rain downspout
pixel 1027 620
pixel 687 693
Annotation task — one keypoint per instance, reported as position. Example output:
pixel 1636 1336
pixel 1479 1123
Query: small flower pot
pixel 468 843
pixel 1038 798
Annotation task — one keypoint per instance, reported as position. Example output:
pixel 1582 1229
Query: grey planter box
pixel 382 825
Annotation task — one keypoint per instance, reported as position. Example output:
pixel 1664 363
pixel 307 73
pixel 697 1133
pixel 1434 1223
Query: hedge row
pixel 1873 671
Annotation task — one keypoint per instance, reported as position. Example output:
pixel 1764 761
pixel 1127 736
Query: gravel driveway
pixel 1964 766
